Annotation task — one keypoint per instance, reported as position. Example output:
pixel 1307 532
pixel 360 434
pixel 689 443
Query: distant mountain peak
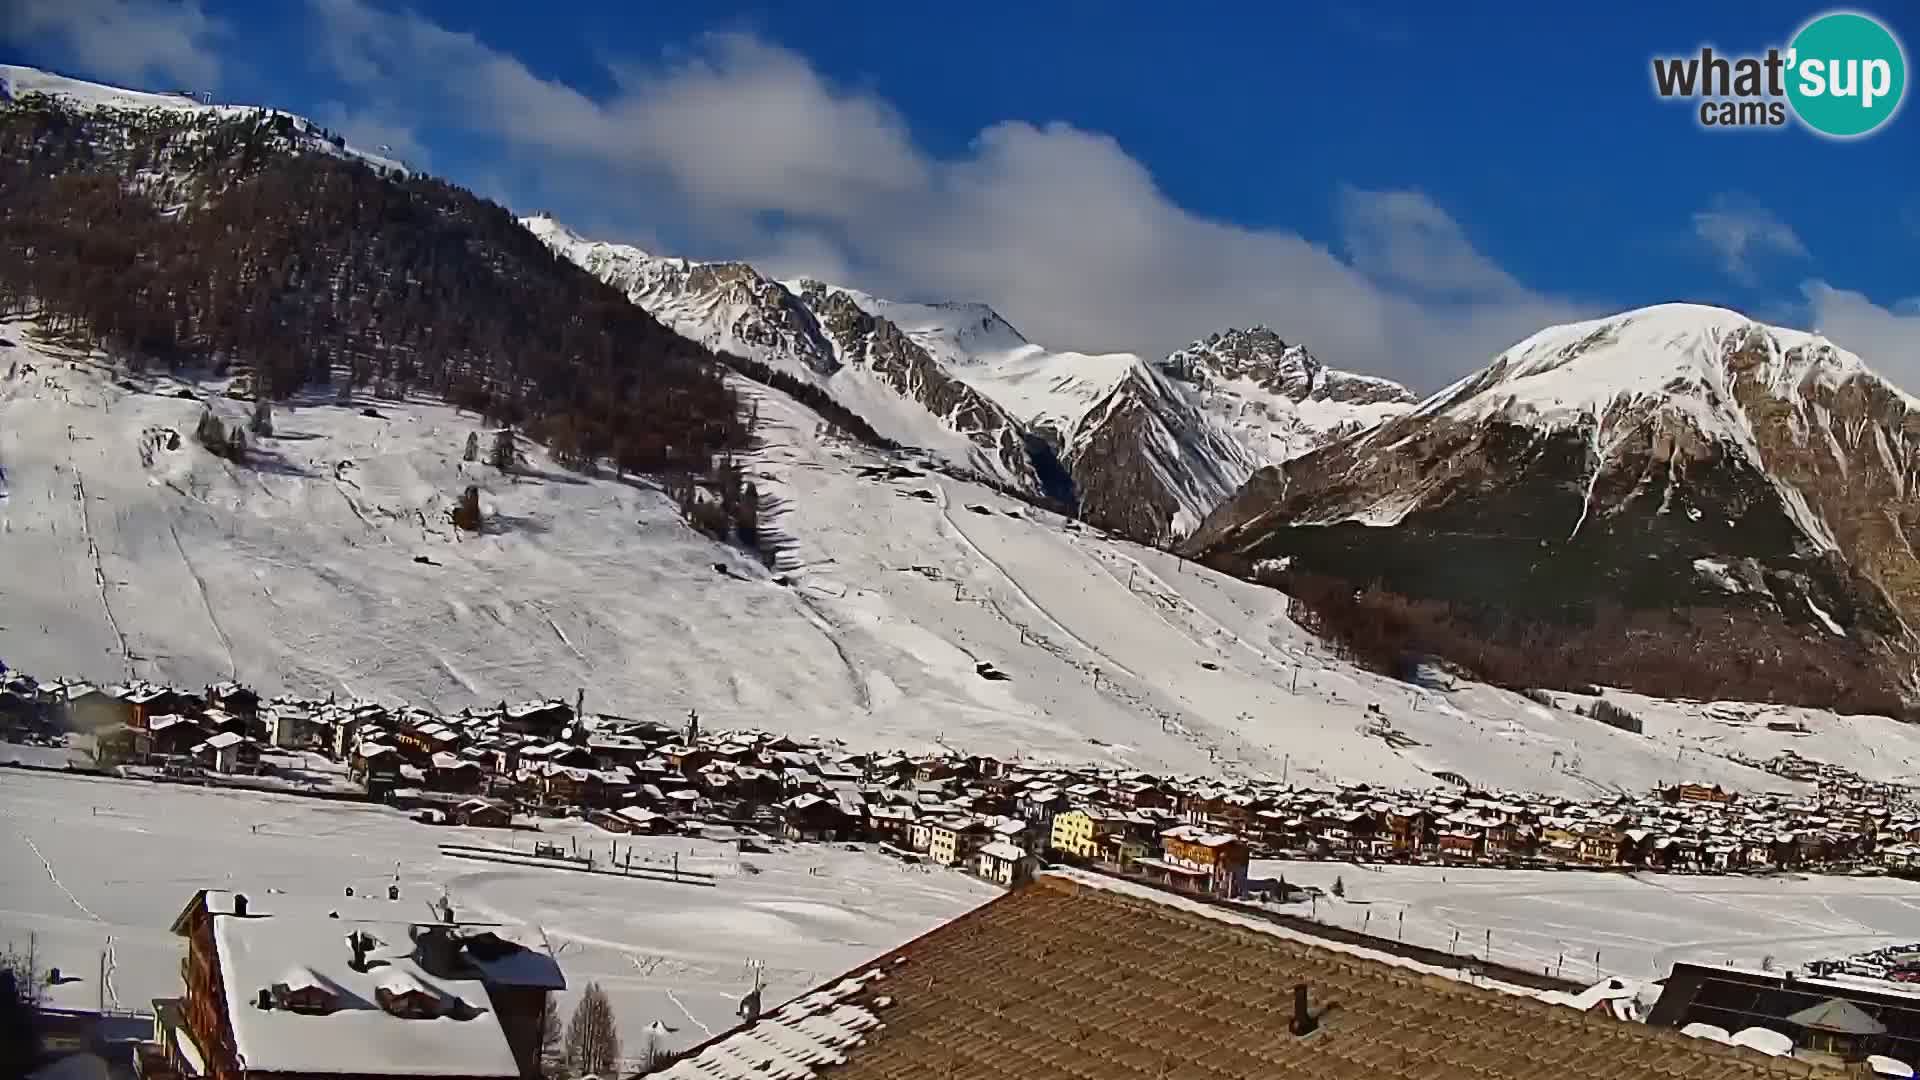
pixel 1261 356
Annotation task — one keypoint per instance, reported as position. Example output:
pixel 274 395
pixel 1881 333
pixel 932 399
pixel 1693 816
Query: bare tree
pixel 262 421
pixel 593 1043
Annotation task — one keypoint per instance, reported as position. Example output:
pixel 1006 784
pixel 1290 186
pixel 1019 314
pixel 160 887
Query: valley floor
pixel 88 864
pixel 1587 925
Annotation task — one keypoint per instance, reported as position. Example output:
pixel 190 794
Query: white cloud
pixel 1741 233
pixel 1887 338
pixel 744 150
pixel 130 40
pixel 1405 238
pixel 372 130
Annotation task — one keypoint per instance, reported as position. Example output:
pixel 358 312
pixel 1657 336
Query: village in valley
pixel 565 789
pixel 515 765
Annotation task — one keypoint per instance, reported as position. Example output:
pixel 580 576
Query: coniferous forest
pixel 188 240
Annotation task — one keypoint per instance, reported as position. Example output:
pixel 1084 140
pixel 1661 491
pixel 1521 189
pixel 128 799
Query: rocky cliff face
pixel 1145 449
pixel 1278 399
pixel 910 370
pixel 1674 456
pixel 821 334
pixel 1149 464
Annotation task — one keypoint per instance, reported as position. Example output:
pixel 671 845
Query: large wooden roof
pixel 1075 978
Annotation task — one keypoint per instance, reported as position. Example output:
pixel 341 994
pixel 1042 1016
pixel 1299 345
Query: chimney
pixel 265 999
pixel 1302 1019
pixel 240 903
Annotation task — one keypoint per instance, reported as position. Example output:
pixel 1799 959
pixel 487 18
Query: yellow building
pixel 952 843
pixel 1076 833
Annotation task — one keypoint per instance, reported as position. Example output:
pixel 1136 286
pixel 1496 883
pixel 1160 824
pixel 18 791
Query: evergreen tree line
pixel 1705 654
pixel 184 240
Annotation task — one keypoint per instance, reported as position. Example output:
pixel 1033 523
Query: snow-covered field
pixel 85 859
pixel 1639 924
pixel 120 556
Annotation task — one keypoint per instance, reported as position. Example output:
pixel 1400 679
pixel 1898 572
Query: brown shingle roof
pixel 1066 979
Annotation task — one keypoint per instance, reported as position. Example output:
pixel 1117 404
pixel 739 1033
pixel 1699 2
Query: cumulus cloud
pixel 1742 234
pixel 1887 338
pixel 130 40
pixel 741 149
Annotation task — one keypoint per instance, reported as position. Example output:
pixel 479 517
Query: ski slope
pixel 120 557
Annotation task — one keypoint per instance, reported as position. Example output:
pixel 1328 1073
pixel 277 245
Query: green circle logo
pixel 1847 74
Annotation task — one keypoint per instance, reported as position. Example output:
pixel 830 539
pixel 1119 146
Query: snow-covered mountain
pixel 1278 399
pixel 17 81
pixel 1678 455
pixel 821 335
pixel 328 566
pixel 1149 447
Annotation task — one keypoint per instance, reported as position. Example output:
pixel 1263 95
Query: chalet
pixel 1698 793
pixel 349 995
pixel 84 707
pixel 545 719
pixel 1602 844
pixel 891 823
pixel 1003 863
pixel 291 727
pixel 1407 829
pixel 482 814
pixel 228 753
pixel 1039 806
pixel 234 698
pixel 812 817
pixel 1461 842
pixel 217 720
pixel 1195 859
pixel 632 819
pixel 566 785
pixel 450 772
pixel 375 761
pixel 173 735
pixel 146 701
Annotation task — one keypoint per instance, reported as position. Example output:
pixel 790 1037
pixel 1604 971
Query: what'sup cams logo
pixel 1842 76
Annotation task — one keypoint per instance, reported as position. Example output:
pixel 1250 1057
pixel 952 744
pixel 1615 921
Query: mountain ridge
pixel 1676 456
pixel 1149 446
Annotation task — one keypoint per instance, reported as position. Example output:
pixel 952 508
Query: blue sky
pixel 1404 189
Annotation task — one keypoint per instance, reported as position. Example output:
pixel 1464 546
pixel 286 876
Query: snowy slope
pixel 17 81
pixel 300 574
pixel 732 308
pixel 957 334
pixel 1151 447
pixel 1278 399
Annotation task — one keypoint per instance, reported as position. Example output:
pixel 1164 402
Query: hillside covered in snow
pixel 906 609
pixel 1751 489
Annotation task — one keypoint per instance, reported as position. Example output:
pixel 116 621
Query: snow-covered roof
pixel 357 1036
pixel 1003 851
